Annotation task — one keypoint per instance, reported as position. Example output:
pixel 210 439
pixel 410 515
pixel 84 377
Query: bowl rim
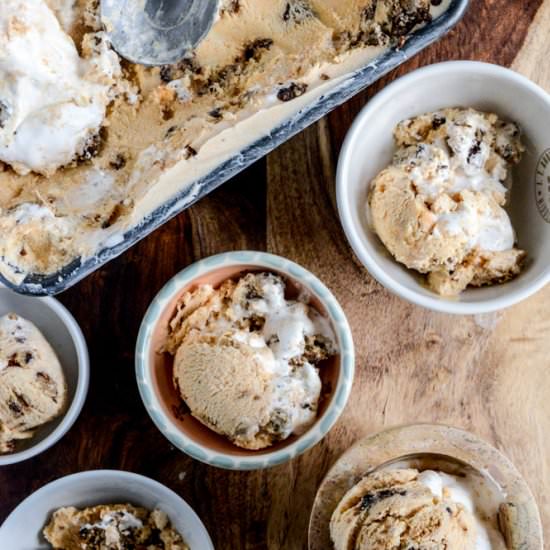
pixel 369 258
pixel 323 423
pixel 81 391
pixel 74 479
pixel 467 447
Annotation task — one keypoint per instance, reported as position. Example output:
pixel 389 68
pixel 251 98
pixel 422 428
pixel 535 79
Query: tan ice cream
pixel 88 142
pixel 404 508
pixel 32 385
pixel 246 359
pixel 439 207
pixel 112 527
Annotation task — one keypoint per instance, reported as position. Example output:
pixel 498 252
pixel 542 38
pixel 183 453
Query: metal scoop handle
pixel 157 32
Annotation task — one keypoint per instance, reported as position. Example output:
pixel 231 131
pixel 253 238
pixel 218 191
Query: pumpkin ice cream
pixel 247 359
pixel 404 509
pixel 32 384
pixel 112 527
pixel 439 208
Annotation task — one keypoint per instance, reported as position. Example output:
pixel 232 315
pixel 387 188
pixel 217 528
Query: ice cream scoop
pixel 403 508
pixel 225 385
pixel 32 384
pixel 247 359
pixel 157 32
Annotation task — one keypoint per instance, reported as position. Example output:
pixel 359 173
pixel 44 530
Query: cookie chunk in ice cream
pixel 439 208
pixel 405 508
pixel 32 385
pixel 112 527
pixel 247 359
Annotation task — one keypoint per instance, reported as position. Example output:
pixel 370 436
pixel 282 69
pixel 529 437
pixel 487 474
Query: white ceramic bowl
pixel 63 333
pixel 22 530
pixel 369 147
pixel 154 370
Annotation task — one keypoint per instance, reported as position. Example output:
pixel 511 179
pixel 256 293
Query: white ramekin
pixel 63 333
pixel 22 530
pixel 369 147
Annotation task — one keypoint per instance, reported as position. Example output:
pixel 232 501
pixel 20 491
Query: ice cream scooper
pixel 157 32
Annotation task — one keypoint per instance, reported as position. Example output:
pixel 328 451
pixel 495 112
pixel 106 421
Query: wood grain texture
pixel 488 374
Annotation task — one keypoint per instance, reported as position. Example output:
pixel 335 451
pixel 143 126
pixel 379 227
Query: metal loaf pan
pixel 35 284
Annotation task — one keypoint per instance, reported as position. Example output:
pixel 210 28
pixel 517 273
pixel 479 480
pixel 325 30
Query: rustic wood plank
pixel 488 374
pixel 532 59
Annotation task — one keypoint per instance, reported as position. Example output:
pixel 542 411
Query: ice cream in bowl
pixel 424 486
pixel 244 360
pixel 44 374
pixel 442 187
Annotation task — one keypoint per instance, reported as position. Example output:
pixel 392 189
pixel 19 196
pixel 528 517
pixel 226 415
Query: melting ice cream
pixel 247 359
pixel 113 527
pixel 52 101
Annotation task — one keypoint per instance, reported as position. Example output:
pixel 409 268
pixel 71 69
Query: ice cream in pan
pixel 247 359
pixel 439 207
pixel 89 142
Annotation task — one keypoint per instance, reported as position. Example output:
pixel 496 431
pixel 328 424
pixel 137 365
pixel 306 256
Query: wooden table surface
pixel 488 374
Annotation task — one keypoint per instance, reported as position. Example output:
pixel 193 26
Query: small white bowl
pixel 63 333
pixel 22 530
pixel 154 370
pixel 369 147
